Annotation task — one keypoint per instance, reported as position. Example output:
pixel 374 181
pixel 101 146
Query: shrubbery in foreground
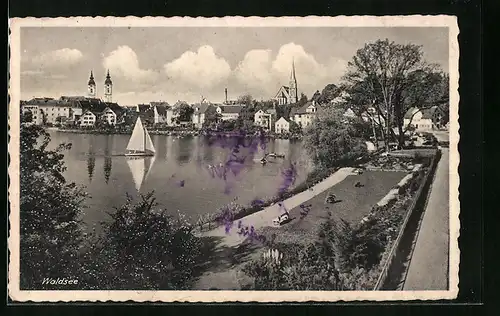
pixel 344 256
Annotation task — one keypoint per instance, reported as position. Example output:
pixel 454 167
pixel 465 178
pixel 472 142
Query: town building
pixel 156 113
pixel 288 94
pixel 88 119
pixel 265 118
pixel 106 112
pixel 51 111
pixel 426 119
pixel 304 115
pixel 282 126
pixel 199 113
pixel 229 112
pixel 160 112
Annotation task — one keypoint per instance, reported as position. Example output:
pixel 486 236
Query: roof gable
pixel 282 120
pixel 231 109
pixel 283 91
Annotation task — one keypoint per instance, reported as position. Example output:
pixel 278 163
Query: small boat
pixel 140 143
pixel 275 155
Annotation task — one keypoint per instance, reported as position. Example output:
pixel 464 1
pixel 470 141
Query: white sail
pixel 149 167
pixel 136 141
pixel 137 167
pixel 149 143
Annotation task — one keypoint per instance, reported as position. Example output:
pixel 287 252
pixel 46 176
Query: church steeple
pixel 108 88
pixel 293 85
pixel 91 86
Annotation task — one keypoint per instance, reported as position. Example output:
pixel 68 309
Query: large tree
pixel 184 112
pixel 50 210
pixel 331 141
pixel 246 99
pixel 329 92
pixel 212 118
pixel 383 74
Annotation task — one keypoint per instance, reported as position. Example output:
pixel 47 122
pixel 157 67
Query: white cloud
pixel 259 70
pixel 254 70
pixel 123 62
pixel 58 58
pixel 202 69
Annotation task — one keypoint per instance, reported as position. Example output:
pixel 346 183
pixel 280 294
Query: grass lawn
pixel 354 203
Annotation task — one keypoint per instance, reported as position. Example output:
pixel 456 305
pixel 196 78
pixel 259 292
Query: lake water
pixel 179 173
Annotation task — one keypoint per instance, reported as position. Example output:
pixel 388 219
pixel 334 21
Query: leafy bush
pixel 296 268
pixel 142 248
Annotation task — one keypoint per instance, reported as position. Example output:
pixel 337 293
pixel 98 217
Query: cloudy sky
pixel 170 64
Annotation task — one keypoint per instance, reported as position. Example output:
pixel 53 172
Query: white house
pixel 424 119
pixel 229 112
pixel 305 115
pixel 200 110
pixel 159 110
pixel 282 126
pixel 88 119
pixel 264 119
pixel 108 116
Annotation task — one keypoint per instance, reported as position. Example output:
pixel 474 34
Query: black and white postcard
pixel 233 159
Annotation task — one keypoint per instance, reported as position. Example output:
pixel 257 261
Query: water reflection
pixel 184 149
pixel 140 167
pixel 108 163
pixel 91 159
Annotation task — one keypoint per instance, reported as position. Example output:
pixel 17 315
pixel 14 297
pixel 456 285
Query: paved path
pixel 264 218
pixel 225 274
pixel 429 264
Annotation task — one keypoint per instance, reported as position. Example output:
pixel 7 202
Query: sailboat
pixel 140 143
pixel 141 168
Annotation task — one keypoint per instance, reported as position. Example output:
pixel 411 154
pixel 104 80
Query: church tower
pixel 91 86
pixel 293 85
pixel 108 89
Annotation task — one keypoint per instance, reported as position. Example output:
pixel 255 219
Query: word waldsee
pixel 59 281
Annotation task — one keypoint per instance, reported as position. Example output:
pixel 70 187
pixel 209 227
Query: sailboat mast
pixel 144 129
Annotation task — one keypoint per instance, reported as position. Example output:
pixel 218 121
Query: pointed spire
pixel 292 74
pixel 108 79
pixel 91 79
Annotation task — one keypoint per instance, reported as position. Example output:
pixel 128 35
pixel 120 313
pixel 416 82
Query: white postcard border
pixel 230 296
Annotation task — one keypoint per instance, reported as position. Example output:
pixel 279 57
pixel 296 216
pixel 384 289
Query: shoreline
pixel 191 133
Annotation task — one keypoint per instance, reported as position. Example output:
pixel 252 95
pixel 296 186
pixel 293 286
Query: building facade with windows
pixel 282 126
pixel 305 114
pixel 229 112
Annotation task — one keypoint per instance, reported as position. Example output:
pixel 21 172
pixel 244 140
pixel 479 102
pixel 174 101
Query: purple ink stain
pixel 289 176
pixel 181 183
pixel 257 202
